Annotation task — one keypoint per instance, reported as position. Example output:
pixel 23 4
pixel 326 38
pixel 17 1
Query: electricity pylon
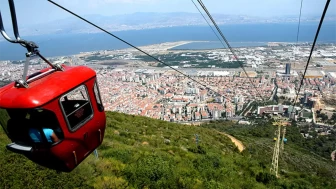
pixel 283 138
pixel 276 151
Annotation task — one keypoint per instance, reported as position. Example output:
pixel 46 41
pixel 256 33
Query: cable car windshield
pixel 31 126
pixel 77 107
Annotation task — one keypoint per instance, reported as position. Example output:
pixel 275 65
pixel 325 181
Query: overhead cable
pixel 76 15
pixel 208 23
pixel 214 32
pixel 298 29
pixel 229 46
pixel 311 51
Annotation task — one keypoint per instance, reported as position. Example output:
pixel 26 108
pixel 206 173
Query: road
pixel 237 142
pixel 275 90
pixel 199 122
pixel 314 118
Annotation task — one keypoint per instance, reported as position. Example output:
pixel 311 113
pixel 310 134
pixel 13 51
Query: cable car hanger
pixel 31 47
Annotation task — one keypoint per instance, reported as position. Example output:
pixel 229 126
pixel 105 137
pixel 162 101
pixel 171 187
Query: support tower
pixel 276 151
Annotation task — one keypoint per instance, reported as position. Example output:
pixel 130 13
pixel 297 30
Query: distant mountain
pixel 148 20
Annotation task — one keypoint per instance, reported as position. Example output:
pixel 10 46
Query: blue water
pixel 236 34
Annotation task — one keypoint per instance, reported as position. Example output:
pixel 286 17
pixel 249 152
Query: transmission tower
pixel 276 151
pixel 283 138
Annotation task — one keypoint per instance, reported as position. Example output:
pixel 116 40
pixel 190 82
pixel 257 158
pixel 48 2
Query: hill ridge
pixel 140 152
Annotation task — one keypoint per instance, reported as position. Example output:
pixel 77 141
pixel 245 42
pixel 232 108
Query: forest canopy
pixel 139 152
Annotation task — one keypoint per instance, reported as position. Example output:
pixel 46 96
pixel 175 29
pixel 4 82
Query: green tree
pixel 333 117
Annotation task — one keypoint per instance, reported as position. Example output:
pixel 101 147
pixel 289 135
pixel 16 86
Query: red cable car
pixel 55 117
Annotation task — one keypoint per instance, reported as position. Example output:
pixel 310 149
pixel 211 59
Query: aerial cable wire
pixel 297 35
pixel 229 46
pixel 311 51
pixel 298 29
pixel 208 22
pixel 212 29
pixel 87 21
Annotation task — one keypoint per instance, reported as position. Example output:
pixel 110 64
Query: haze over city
pixel 43 12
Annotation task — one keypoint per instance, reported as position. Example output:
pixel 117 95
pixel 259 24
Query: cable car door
pixel 96 126
pixel 78 113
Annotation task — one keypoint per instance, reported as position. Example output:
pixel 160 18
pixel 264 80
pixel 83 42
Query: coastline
pixel 55 45
pixel 163 46
pixel 182 45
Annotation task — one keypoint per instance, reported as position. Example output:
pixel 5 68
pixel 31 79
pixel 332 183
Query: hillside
pixel 140 152
pixel 307 157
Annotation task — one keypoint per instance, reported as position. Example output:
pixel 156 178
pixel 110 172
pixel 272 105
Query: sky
pixel 41 11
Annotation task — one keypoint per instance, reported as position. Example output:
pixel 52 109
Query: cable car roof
pixel 44 89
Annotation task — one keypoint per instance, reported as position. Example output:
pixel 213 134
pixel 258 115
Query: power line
pixel 229 46
pixel 211 28
pixel 76 15
pixel 298 30
pixel 297 42
pixel 312 49
pixel 208 22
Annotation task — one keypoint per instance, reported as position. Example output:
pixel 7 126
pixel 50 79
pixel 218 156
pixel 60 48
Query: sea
pixel 238 35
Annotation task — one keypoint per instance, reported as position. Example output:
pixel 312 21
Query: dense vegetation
pixel 309 156
pixel 140 152
pixel 322 145
pixel 196 59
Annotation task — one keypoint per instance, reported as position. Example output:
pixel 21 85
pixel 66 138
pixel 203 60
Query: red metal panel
pixel 45 89
pixel 96 126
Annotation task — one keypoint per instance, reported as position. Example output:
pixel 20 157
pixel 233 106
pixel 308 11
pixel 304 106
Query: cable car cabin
pixel 58 120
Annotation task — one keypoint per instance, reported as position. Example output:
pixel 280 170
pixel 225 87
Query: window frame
pixel 28 141
pixel 85 120
pixel 100 105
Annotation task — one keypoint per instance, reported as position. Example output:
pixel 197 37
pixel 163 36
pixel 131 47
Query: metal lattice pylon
pixel 276 151
pixel 283 138
pixel 275 159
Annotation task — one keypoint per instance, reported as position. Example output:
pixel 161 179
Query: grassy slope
pixel 139 152
pixel 294 162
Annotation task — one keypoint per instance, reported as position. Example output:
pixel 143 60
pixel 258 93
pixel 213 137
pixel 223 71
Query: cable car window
pixel 15 124
pixel 98 98
pixel 77 107
pixel 44 126
pixel 24 126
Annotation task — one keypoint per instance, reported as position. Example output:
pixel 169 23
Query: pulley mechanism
pixel 31 47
